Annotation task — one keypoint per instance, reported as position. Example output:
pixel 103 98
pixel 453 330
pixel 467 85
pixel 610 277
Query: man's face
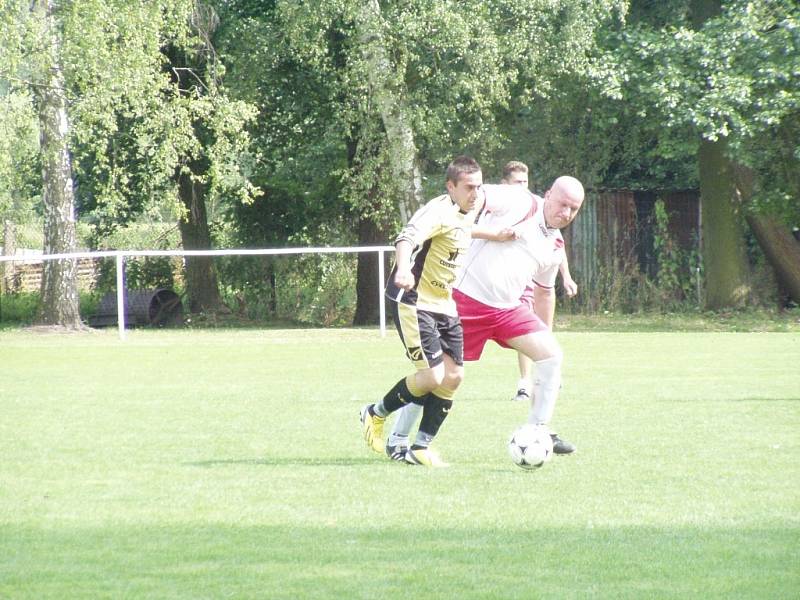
pixel 465 192
pixel 560 208
pixel 517 178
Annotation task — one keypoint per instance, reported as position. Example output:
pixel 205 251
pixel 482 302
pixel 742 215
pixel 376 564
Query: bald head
pixel 570 186
pixel 563 201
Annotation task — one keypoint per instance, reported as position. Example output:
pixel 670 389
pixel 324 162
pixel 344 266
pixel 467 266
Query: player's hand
pixel 506 235
pixel 404 279
pixel 570 287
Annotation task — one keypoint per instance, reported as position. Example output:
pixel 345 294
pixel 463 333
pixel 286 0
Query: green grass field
pixel 229 464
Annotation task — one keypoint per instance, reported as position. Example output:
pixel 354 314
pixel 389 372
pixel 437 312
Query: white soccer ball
pixel 530 446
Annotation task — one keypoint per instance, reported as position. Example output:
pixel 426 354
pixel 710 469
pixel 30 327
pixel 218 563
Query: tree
pixel 193 78
pixel 726 76
pixel 170 142
pixel 387 90
pixel 724 257
pixel 59 292
pixel 146 135
pixel 385 81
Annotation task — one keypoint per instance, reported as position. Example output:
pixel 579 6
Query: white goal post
pixel 120 255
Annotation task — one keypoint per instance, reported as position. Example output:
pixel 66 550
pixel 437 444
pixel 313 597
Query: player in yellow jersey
pixel 429 254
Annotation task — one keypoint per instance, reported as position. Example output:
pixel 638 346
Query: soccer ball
pixel 530 446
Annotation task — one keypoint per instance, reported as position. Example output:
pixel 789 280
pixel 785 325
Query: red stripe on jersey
pixel 531 212
pixel 559 243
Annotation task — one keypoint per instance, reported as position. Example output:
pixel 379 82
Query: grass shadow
pixel 292 461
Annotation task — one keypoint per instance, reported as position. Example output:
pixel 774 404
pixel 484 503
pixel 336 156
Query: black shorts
pixel 427 336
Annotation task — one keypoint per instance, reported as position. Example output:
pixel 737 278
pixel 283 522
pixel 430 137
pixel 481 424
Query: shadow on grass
pixel 697 400
pixel 345 560
pixel 291 461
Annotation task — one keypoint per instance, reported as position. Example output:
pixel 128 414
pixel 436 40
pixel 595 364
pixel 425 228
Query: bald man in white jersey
pixel 495 275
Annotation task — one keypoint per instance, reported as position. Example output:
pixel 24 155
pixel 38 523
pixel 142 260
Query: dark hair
pixel 461 165
pixel 514 166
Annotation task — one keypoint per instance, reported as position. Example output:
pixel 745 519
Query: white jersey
pixel 497 273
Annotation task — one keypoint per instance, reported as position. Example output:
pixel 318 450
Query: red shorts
pixel 482 322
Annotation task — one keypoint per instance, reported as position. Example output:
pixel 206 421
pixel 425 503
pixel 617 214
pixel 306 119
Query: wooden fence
pixel 26 276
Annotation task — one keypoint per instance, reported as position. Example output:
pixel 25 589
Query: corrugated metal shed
pixel 614 230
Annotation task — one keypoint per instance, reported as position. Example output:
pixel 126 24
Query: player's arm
pixel 479 232
pixel 423 224
pixel 544 303
pixel 570 287
pixel 403 277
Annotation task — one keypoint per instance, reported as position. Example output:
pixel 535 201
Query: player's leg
pixel 525 381
pixel 543 349
pixel 417 331
pixel 451 341
pixel 408 406
pixel 425 381
pixel 440 400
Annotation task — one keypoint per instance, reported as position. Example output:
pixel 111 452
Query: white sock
pixel 523 383
pixel 404 423
pixel 545 390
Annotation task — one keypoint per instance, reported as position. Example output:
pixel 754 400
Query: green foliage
pixel 142 272
pixel 131 126
pixel 20 166
pixel 22 308
pixel 678 277
pixel 465 70
pixel 736 78
pixel 319 290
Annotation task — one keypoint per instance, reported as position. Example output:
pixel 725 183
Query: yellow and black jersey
pixel 440 234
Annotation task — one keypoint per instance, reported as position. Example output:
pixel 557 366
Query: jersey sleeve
pixel 546 278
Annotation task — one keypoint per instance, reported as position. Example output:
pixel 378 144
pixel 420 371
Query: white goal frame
pixel 121 255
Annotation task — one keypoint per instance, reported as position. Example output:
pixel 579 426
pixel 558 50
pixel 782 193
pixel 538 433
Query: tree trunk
pixel 59 291
pixel 8 283
pixel 367 302
pixel 202 288
pixel 779 245
pixel 782 251
pixel 201 277
pixel 724 257
pixel 388 92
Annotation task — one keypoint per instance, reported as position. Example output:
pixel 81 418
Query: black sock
pixel 434 414
pixel 397 397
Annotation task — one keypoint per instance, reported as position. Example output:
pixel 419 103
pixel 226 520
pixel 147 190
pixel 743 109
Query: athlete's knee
pixel 453 377
pixel 551 349
pixel 429 379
